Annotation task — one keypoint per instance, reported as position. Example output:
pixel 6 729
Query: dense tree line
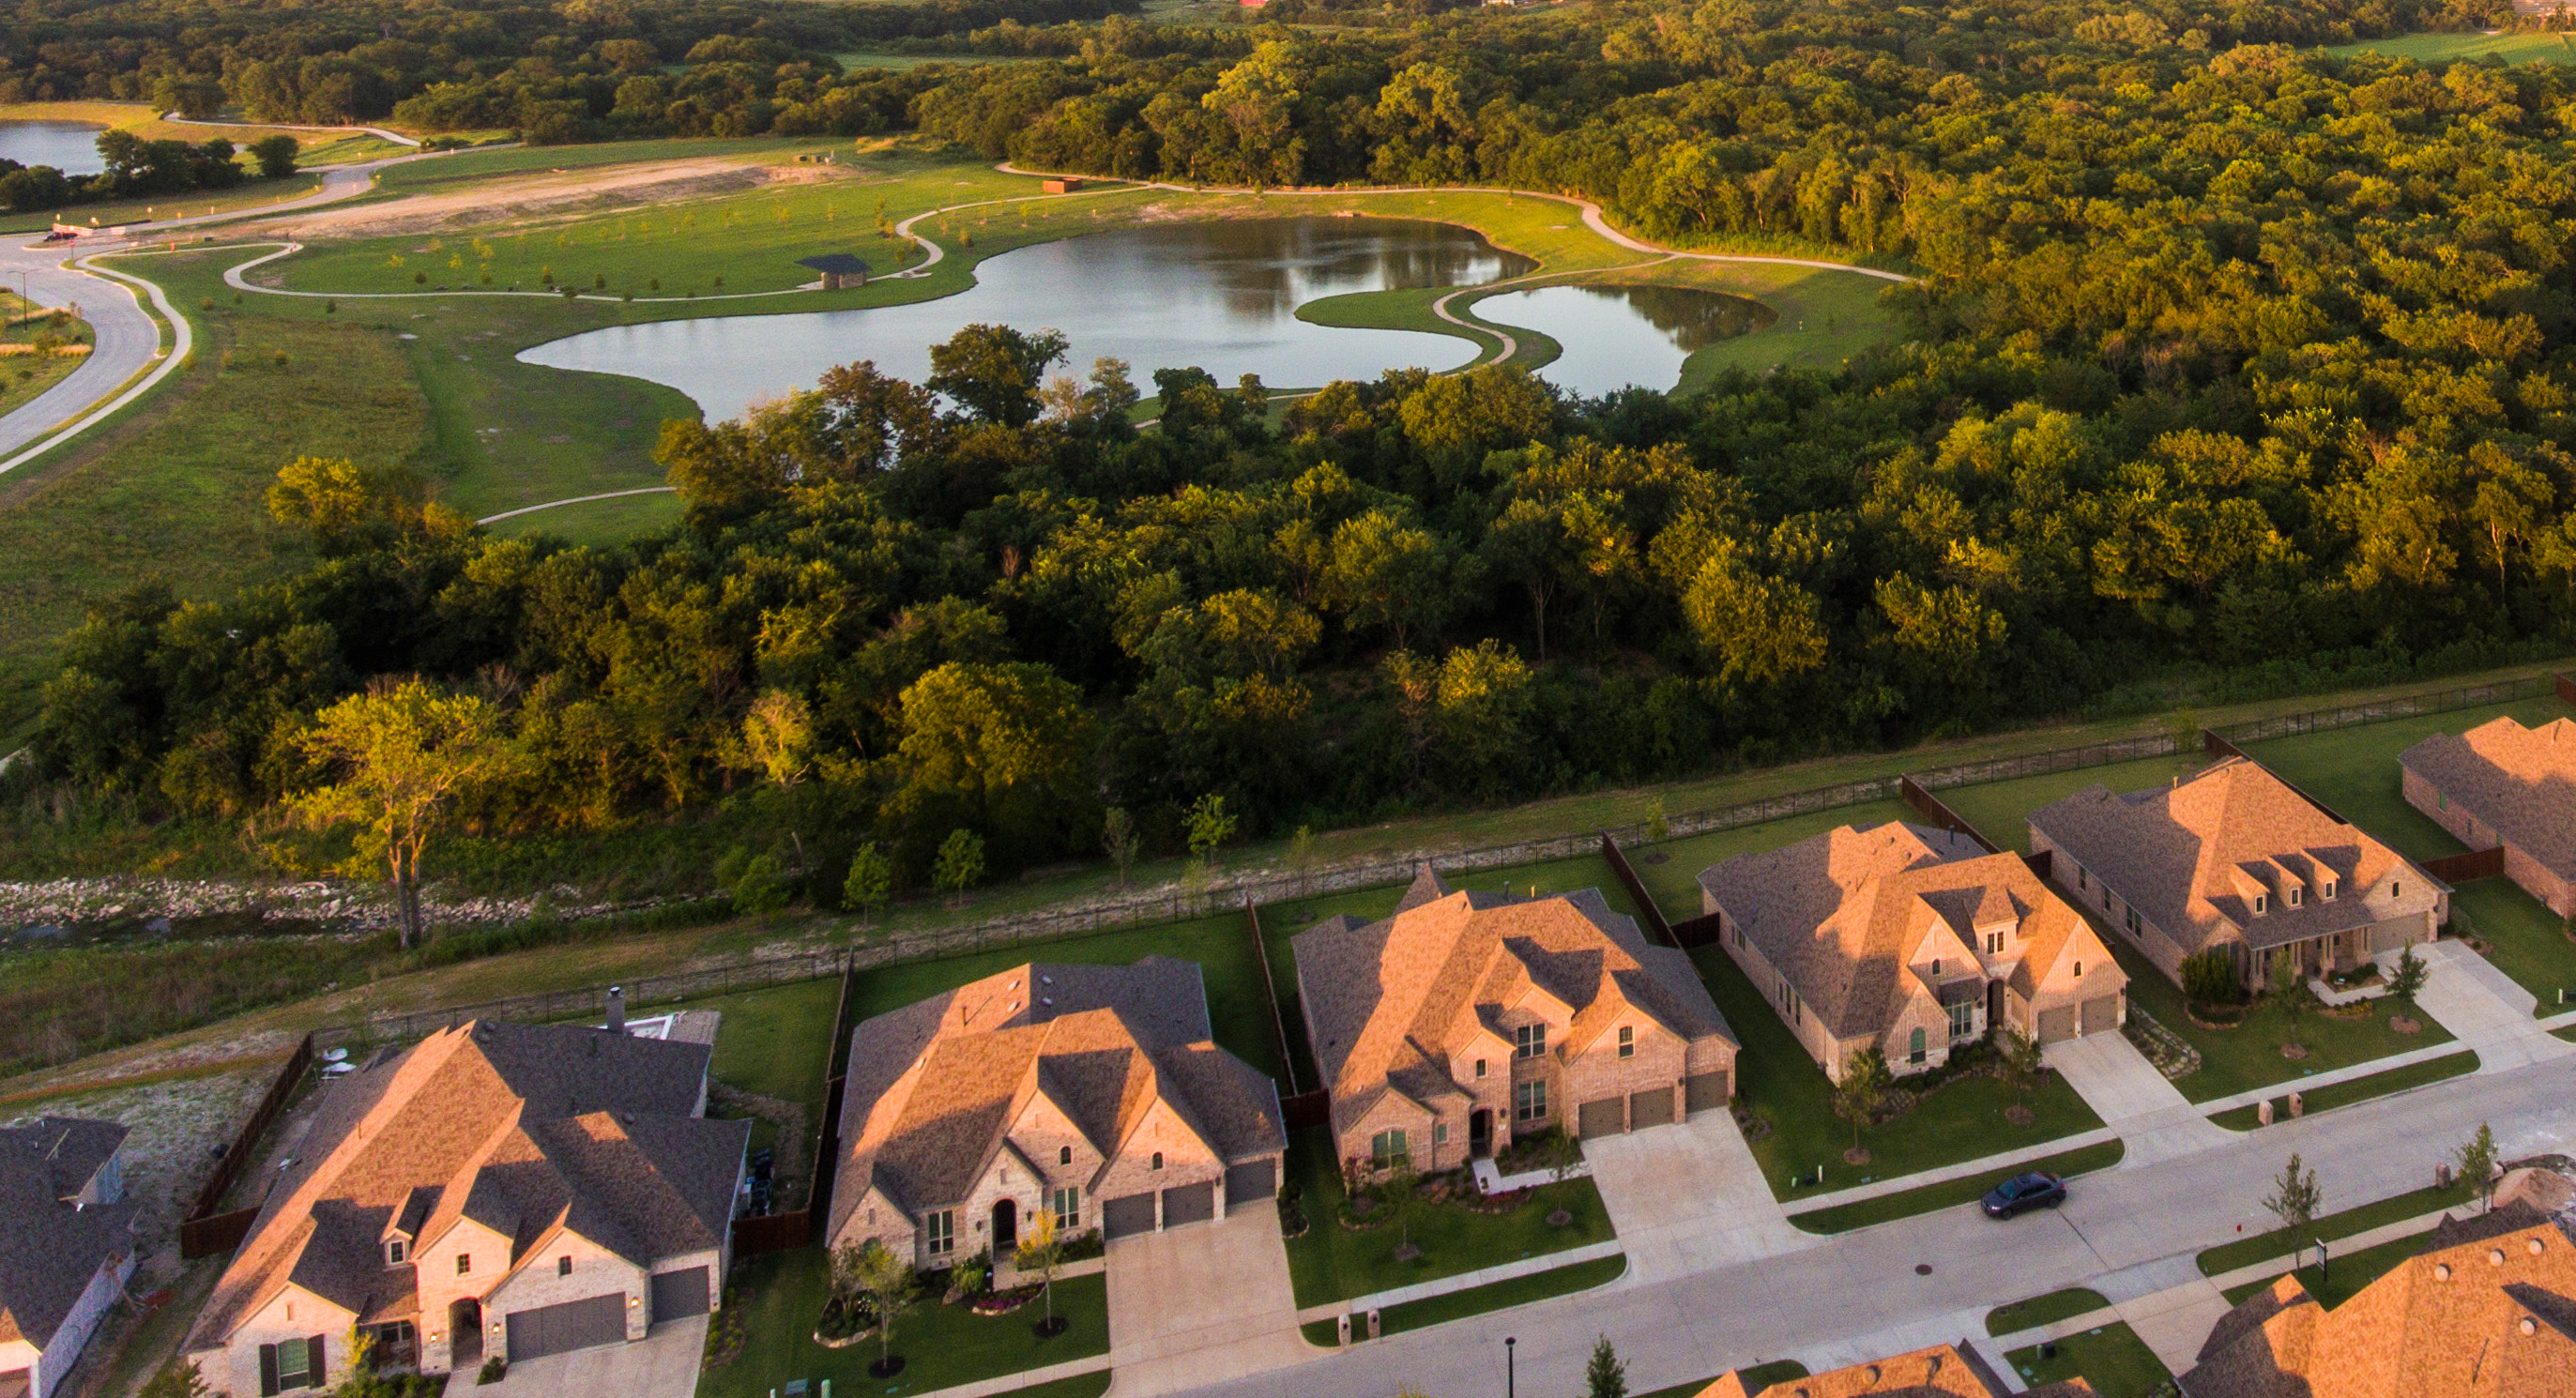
pixel 2224 356
pixel 131 167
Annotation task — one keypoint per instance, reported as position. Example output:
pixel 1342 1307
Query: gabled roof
pixel 933 1088
pixel 1942 1371
pixel 2193 856
pixel 2521 782
pixel 49 1250
pixel 530 1130
pixel 1386 1002
pixel 1843 913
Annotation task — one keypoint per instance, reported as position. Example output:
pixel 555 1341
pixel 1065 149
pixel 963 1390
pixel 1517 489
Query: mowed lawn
pixel 2112 1358
pixel 2451 48
pixel 775 1042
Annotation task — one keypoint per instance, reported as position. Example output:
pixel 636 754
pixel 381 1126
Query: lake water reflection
pixel 1220 295
pixel 68 146
pixel 1615 336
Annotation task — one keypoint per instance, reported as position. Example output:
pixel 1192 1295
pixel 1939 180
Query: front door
pixel 1006 1226
pixel 1480 1133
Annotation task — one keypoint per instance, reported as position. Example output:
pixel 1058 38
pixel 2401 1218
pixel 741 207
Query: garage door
pixel 679 1295
pixel 1650 1109
pixel 2102 1014
pixel 1607 1117
pixel 2395 933
pixel 600 1320
pixel 1191 1203
pixel 1122 1218
pixel 1251 1181
pixel 1704 1092
pixel 2057 1025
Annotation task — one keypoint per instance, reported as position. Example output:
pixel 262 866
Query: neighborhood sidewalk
pixel 2134 1099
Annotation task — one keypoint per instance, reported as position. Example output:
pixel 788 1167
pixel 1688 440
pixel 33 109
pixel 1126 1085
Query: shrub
pixel 2209 978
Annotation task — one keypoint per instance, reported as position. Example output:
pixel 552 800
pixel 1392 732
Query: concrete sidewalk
pixel 2133 1098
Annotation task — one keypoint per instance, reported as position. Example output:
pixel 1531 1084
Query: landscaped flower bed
pixel 1005 1302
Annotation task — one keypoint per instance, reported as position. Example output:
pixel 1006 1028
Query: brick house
pixel 2503 784
pixel 1911 940
pixel 1942 1371
pixel 66 1245
pixel 2236 859
pixel 2486 1310
pixel 496 1189
pixel 1096 1093
pixel 1466 1018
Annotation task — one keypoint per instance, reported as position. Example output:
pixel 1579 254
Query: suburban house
pixel 503 1190
pixel 1910 940
pixel 66 1245
pixel 1096 1093
pixel 2236 859
pixel 2486 1310
pixel 1466 1019
pixel 2503 784
pixel 1943 1371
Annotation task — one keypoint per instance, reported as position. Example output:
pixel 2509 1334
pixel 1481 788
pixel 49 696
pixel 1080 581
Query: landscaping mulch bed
pixel 1005 1302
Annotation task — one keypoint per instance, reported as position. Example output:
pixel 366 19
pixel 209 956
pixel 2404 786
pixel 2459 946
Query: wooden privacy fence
pixel 1270 989
pixel 205 1233
pixel 786 1232
pixel 2461 868
pixel 1627 876
pixel 1938 811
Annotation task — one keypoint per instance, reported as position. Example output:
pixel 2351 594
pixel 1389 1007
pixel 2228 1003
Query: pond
pixel 1617 336
pixel 68 146
pixel 1221 296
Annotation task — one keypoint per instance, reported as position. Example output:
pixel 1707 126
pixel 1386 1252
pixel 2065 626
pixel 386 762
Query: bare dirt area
pixel 177 1126
pixel 563 194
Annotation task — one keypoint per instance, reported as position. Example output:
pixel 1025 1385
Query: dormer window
pixel 2325 890
pixel 2295 895
pixel 1994 944
pixel 2260 905
pixel 396 1250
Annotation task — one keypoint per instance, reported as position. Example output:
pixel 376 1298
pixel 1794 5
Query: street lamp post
pixel 1511 1375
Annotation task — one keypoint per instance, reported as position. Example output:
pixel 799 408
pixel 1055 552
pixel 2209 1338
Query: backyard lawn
pixel 2001 810
pixel 2112 1358
pixel 1670 869
pixel 1330 1262
pixel 1963 1120
pixel 775 1042
pixel 781 1297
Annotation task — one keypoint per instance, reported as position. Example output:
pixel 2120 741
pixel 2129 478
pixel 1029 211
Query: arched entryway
pixel 1006 1227
pixel 464 1335
pixel 1480 1133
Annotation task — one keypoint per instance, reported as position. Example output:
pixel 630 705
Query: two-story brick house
pixel 1469 1018
pixel 66 1245
pixel 1095 1093
pixel 495 1190
pixel 1910 940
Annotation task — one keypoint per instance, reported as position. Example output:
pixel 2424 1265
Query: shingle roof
pixel 1382 1000
pixel 932 1087
pixel 2487 1311
pixel 1942 1371
pixel 528 1129
pixel 2192 857
pixel 2520 782
pixel 1841 913
pixel 49 1250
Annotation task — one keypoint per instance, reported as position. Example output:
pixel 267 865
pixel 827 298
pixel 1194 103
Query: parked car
pixel 2038 1189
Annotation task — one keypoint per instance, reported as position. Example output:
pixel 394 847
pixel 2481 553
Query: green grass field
pixel 2001 810
pixel 2044 1310
pixel 1951 1194
pixel 2112 1358
pixel 775 1042
pixel 2451 48
pixel 2345 1094
pixel 1496 1296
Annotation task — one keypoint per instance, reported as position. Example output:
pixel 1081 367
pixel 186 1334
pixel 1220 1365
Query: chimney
pixel 617 1009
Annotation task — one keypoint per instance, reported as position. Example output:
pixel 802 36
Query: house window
pixel 2079 970
pixel 2133 919
pixel 1994 944
pixel 2295 895
pixel 942 1230
pixel 1068 1208
pixel 1529 1041
pixel 1627 1042
pixel 397 1343
pixel 1936 965
pixel 295 1364
pixel 1963 1019
pixel 1914 1049
pixel 1480 1067
pixel 1064 1155
pixel 395 1251
pixel 1439 1133
pixel 2392 888
pixel 563 1266
pixel 1387 1150
pixel 1529 1101
pixel 2258 905
pixel 2326 890
pixel 2083 881
pixel 464 1264
pixel 1158 1160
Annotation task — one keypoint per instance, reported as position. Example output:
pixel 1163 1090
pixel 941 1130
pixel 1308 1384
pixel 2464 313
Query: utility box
pixel 1065 185
pixel 1374 1324
pixel 1342 1325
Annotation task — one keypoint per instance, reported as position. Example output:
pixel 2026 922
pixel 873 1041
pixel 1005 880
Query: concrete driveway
pixel 1689 1197
pixel 664 1364
pixel 2151 1115
pixel 1202 1304
pixel 2484 1009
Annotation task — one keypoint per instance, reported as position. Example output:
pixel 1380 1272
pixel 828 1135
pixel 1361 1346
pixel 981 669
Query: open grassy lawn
pixel 1221 945
pixel 775 1042
pixel 599 523
pixel 1670 870
pixel 1951 1194
pixel 1496 1296
pixel 36 368
pixel 782 1296
pixel 2001 810
pixel 2344 1094
pixel 1330 1262
pixel 1963 1120
pixel 2112 1358
pixel 2343 1223
pixel 903 62
pixel 2343 1274
pixel 2355 771
pixel 2451 48
pixel 2044 1310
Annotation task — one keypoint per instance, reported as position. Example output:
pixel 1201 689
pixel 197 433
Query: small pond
pixel 1616 336
pixel 1218 295
pixel 68 146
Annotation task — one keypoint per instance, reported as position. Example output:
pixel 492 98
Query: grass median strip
pixel 1842 1218
pixel 2345 1094
pixel 2112 1358
pixel 2044 1310
pixel 1501 1295
pixel 2264 1247
pixel 2344 1273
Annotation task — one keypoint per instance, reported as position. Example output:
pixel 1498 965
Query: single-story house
pixel 66 1245
pixel 1095 1093
pixel 1466 1019
pixel 2503 784
pixel 497 1189
pixel 2234 858
pixel 1910 940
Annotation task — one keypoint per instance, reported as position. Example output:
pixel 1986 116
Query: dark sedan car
pixel 2032 1191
